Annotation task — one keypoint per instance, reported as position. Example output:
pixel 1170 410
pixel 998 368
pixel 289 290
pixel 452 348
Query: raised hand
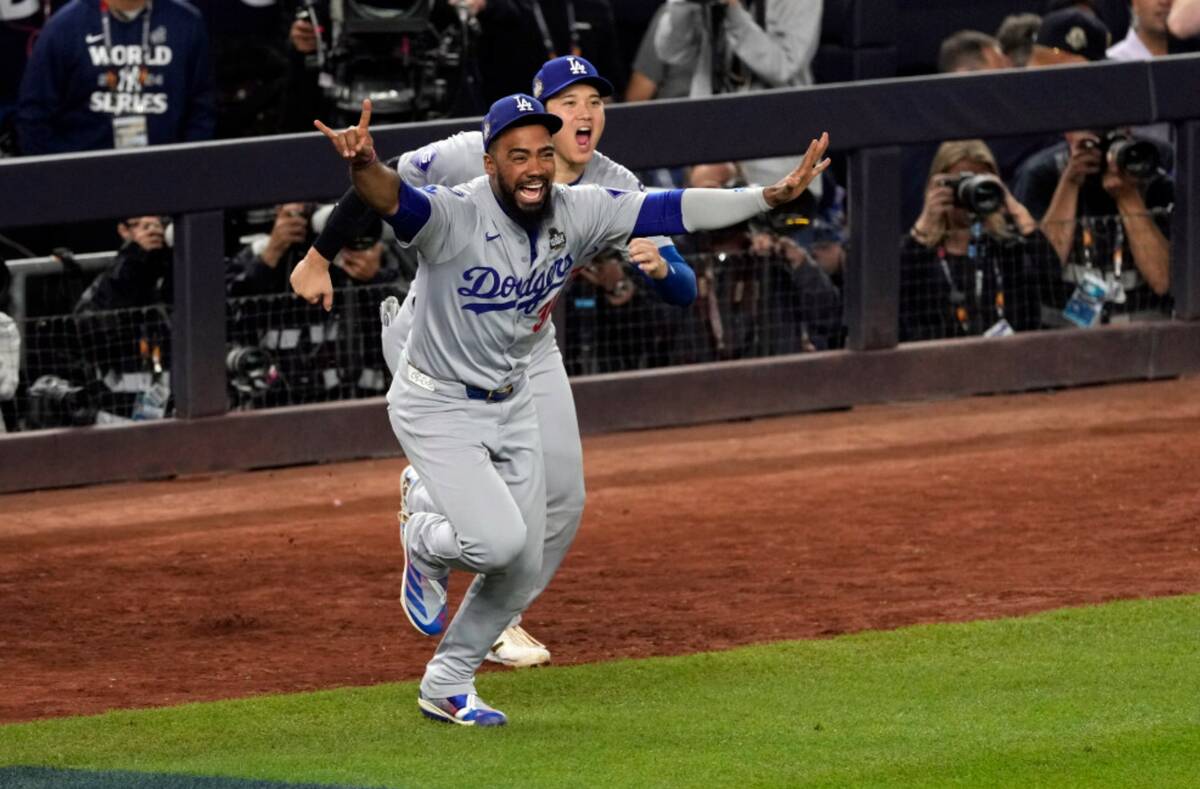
pixel 795 182
pixel 645 255
pixel 355 143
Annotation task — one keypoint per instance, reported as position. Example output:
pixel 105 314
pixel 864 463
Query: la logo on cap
pixel 577 67
pixel 523 105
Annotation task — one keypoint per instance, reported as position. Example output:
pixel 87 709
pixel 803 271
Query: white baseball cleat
pixel 518 649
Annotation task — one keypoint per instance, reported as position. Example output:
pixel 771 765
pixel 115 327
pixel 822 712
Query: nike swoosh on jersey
pixel 94 38
pixel 486 237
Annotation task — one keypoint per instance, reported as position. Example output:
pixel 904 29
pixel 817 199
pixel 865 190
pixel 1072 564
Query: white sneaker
pixel 518 649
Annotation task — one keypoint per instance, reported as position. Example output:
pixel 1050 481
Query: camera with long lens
pixel 1133 156
pixel 56 402
pixel 978 193
pixel 397 55
pixel 250 370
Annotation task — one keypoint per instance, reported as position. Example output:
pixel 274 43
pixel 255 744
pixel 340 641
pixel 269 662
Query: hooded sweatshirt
pixel 79 78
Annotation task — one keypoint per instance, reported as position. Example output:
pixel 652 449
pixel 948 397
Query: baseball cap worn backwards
pixel 559 74
pixel 513 111
pixel 1076 32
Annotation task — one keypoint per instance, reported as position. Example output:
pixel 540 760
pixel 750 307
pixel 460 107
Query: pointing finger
pixel 328 132
pixel 365 119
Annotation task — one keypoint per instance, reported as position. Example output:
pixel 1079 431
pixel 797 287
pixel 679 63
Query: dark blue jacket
pixel 74 85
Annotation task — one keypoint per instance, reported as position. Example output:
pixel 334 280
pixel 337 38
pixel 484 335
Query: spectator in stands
pixel 1184 19
pixel 117 74
pixel 966 272
pixel 1147 37
pixel 520 35
pixel 803 310
pixel 1069 37
pixel 263 266
pixel 738 47
pixel 1016 34
pixel 141 274
pixel 970 50
pixel 967 51
pixel 1097 214
pixel 654 78
pixel 249 57
pixel 20 23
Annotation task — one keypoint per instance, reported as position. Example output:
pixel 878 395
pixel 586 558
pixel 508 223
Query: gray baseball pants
pixel 481 465
pixel 561 447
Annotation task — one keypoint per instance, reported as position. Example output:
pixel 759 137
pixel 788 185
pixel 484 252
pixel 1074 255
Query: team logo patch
pixel 523 105
pixel 538 87
pixel 558 239
pixel 487 129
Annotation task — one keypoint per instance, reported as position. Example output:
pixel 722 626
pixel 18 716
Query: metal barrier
pixel 867 120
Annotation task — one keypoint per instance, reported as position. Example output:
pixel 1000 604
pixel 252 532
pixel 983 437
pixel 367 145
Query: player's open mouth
pixel 532 192
pixel 583 136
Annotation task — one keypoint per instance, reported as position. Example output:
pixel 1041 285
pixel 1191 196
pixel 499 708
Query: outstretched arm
pixel 688 210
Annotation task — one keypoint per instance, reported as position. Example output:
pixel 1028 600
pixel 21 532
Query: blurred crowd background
pixel 1002 235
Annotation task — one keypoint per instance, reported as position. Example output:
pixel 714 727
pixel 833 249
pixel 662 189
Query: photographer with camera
pixel 741 46
pixel 263 266
pixel 140 276
pixel 971 263
pixel 1102 198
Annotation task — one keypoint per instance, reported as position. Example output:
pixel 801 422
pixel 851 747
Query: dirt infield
pixel 694 539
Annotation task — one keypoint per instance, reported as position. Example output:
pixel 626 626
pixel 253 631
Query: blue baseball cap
pixel 559 74
pixel 513 111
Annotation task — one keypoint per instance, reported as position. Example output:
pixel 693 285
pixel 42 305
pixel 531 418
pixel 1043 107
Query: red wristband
pixel 357 165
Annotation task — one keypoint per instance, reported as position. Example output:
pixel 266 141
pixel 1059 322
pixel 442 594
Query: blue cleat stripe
pixel 415 602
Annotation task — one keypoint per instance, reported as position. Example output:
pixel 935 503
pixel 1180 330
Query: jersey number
pixel 545 310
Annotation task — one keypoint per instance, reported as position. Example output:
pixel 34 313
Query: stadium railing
pixel 867 121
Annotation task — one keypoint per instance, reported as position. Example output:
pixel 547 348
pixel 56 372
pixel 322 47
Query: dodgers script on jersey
pixel 458 159
pixel 487 286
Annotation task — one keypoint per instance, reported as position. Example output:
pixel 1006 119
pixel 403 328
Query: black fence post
pixel 1185 223
pixel 198 328
pixel 872 281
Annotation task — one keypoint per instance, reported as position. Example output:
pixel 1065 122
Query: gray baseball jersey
pixel 459 158
pixel 489 286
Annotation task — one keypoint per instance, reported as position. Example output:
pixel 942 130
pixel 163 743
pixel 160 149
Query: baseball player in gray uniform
pixel 494 253
pixel 573 90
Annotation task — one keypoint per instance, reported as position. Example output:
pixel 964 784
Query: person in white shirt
pixel 1147 39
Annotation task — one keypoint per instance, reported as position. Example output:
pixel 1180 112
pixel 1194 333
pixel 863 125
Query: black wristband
pixel 347 221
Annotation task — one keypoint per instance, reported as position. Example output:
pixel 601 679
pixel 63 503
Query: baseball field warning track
pixel 694 539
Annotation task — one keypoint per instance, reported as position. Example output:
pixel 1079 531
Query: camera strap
pixel 958 299
pixel 106 29
pixel 544 29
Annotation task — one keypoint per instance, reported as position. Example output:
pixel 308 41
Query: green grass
pixel 1100 696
